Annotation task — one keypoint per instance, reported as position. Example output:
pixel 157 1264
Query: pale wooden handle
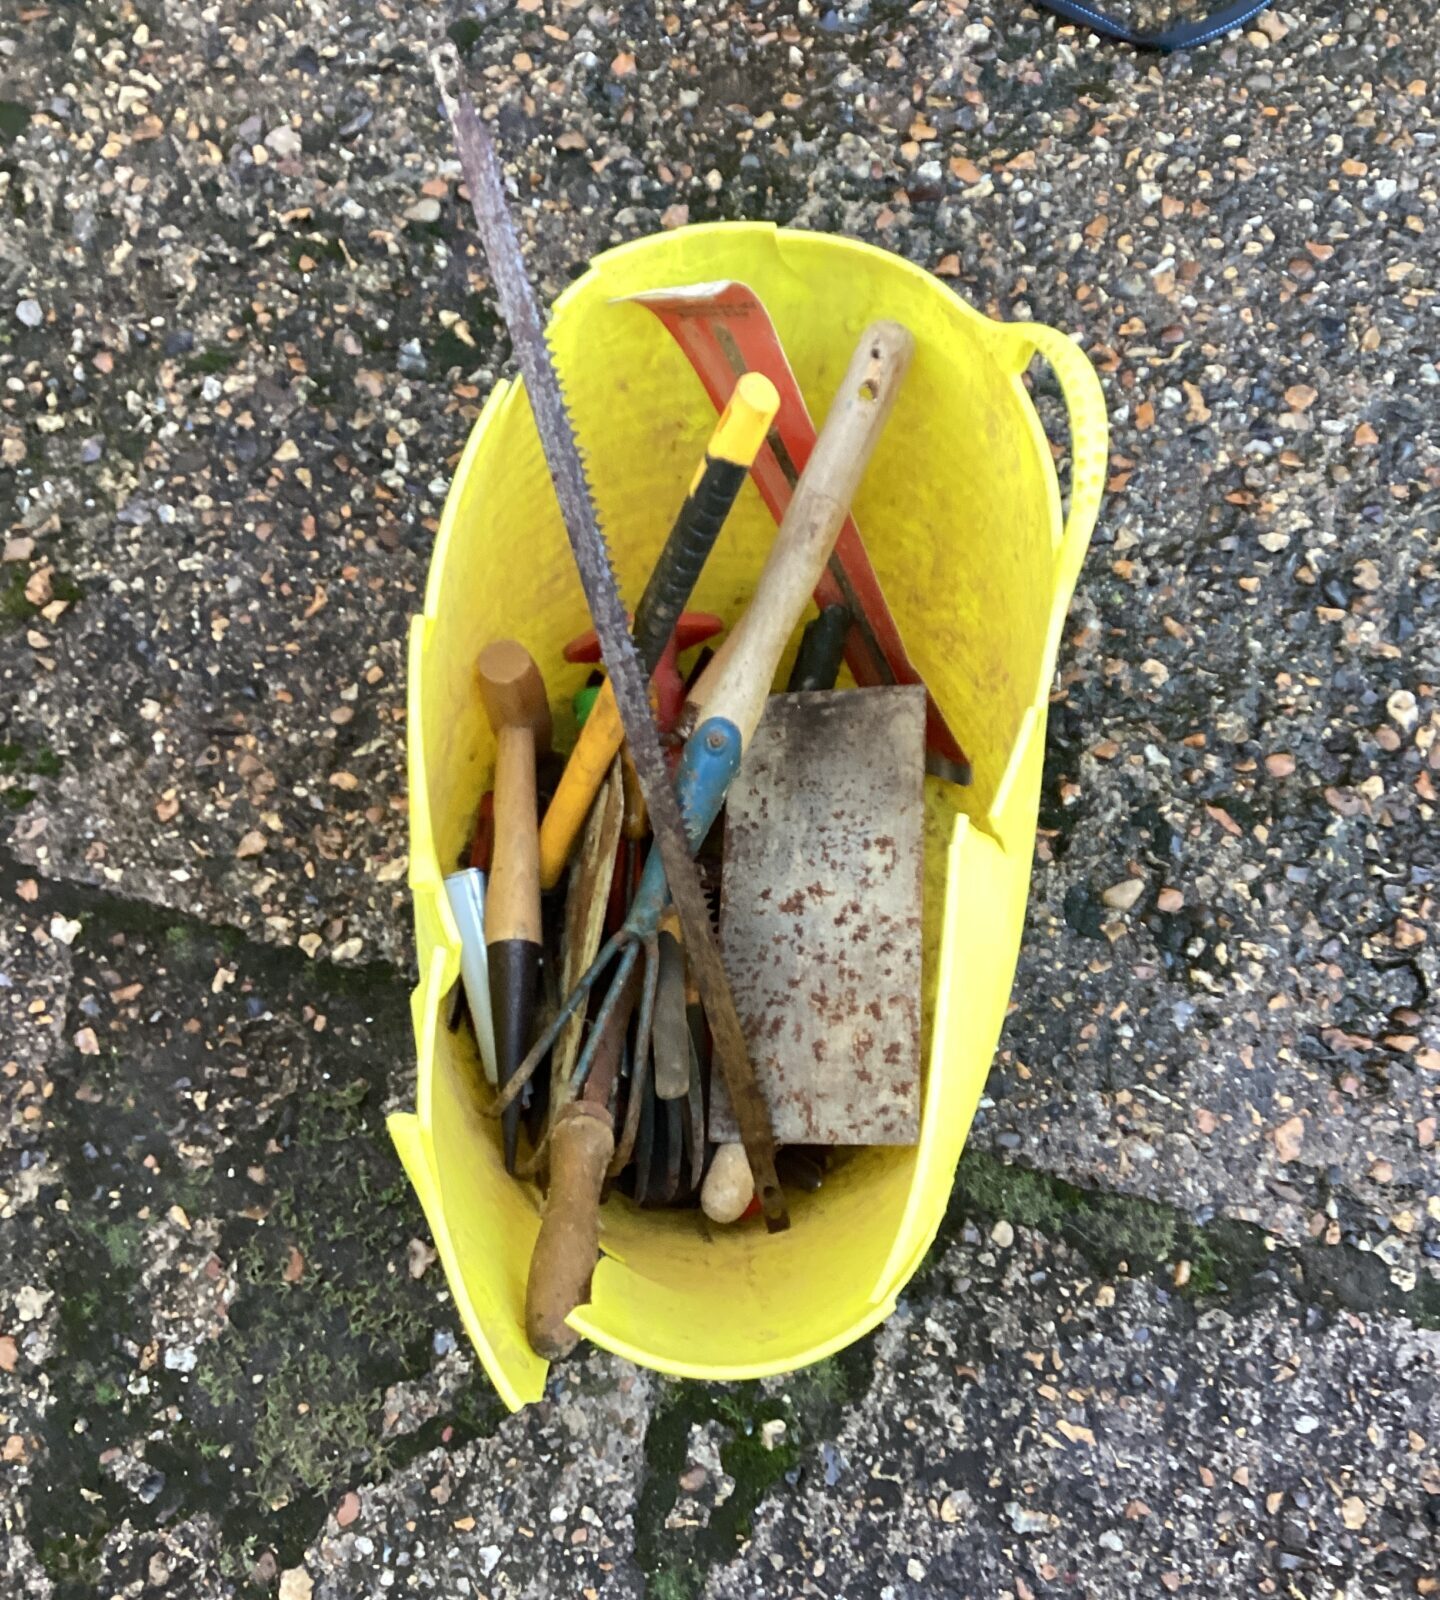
pixel 569 1242
pixel 513 690
pixel 812 523
pixel 704 687
pixel 728 1188
pixel 635 821
pixel 512 897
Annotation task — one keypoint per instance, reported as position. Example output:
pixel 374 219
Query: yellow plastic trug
pixel 961 514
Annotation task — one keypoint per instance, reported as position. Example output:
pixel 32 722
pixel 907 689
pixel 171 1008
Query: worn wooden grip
pixel 587 897
pixel 514 695
pixel 585 771
pixel 513 690
pixel 728 1188
pixel 569 1243
pixel 512 898
pixel 635 820
pixel 738 680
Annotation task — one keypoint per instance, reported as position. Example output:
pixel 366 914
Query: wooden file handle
pixel 569 1242
pixel 581 1149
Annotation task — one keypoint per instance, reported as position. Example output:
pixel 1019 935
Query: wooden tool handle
pixel 586 898
pixel 635 820
pixel 585 771
pixel 512 899
pixel 737 682
pixel 704 687
pixel 733 446
pixel 569 1243
pixel 670 1031
pixel 728 1188
pixel 514 695
pixel 513 690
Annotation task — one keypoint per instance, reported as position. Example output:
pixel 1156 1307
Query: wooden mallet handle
pixel 514 695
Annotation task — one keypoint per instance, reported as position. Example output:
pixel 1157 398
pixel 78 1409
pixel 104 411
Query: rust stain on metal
pixel 821 914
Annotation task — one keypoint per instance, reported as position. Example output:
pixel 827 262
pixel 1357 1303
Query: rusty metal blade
pixel 671 1033
pixel 821 914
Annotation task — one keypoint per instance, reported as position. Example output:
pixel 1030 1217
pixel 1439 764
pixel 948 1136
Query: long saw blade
pixel 485 181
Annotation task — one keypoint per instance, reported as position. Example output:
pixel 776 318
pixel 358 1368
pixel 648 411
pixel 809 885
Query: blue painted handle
pixel 709 763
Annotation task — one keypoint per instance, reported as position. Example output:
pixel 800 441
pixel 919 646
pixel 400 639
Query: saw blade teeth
pixel 581 452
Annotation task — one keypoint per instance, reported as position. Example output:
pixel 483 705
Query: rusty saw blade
pixel 485 181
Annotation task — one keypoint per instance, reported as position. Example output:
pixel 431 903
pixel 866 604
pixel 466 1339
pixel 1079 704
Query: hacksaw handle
pixel 732 449
pixel 738 681
pixel 736 441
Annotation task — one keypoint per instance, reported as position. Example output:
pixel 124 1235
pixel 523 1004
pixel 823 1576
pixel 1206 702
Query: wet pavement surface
pixel 1182 1327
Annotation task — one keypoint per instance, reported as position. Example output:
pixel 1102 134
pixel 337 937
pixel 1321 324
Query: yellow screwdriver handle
pixel 580 782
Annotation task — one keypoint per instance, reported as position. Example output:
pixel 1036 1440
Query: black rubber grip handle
pixel 514 983
pixel 822 648
pixel 686 550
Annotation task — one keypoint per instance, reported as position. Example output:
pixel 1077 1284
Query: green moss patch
pixel 259 1400
pixel 676 1561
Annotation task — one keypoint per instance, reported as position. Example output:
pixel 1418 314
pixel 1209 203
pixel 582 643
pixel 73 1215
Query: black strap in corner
pixel 1183 36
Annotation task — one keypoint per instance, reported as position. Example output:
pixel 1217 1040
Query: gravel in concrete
pixel 1031 1431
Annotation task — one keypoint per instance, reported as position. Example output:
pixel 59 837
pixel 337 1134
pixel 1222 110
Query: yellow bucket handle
pixel 1089 436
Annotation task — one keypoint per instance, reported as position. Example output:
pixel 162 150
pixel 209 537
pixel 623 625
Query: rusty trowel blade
pixel 820 916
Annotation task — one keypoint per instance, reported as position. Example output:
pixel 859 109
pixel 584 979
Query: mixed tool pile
pixel 617 1041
